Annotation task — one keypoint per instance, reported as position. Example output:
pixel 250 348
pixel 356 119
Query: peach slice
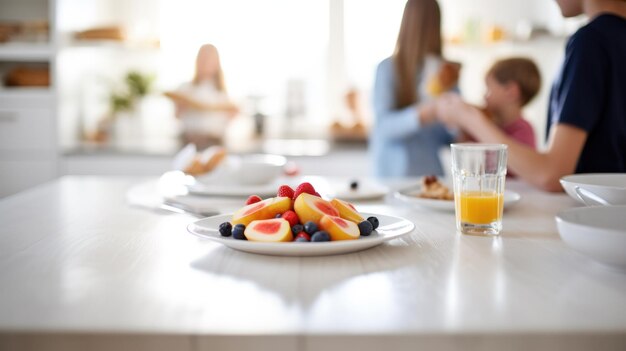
pixel 265 209
pixel 339 228
pixel 269 230
pixel 347 211
pixel 311 208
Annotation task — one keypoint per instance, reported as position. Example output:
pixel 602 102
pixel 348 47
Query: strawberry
pixel 253 199
pixel 291 217
pixel 285 191
pixel 305 187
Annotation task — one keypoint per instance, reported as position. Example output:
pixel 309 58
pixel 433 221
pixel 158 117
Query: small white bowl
pixel 611 187
pixel 598 232
pixel 256 169
pixel 252 169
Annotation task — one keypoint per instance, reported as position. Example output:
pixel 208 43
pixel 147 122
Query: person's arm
pixel 542 169
pixel 392 123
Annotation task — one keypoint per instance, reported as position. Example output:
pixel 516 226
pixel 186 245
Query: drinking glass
pixel 478 172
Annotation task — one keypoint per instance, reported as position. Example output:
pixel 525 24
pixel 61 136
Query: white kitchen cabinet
pixel 28 118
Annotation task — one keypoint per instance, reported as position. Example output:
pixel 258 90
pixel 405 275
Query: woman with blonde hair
pixel 202 105
pixel 406 137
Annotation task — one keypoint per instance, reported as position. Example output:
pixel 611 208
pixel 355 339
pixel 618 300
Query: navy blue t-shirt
pixel 590 93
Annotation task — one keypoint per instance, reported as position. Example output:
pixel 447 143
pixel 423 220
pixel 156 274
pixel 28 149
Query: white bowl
pixel 598 232
pixel 611 187
pixel 257 169
pixel 253 169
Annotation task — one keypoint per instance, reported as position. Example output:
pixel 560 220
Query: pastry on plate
pixel 432 188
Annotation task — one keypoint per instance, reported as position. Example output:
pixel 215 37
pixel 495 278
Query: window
pixel 264 47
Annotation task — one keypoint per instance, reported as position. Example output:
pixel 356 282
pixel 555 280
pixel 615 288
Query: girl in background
pixel 202 105
pixel 406 137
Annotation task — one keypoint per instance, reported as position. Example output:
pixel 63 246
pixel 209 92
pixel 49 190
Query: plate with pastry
pixel 436 194
pixel 213 172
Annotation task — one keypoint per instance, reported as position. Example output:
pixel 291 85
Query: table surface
pixel 75 259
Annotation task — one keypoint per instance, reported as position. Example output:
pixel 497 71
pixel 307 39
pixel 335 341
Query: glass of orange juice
pixel 479 171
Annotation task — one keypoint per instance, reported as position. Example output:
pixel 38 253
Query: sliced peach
pixel 265 209
pixel 311 208
pixel 270 230
pixel 347 210
pixel 339 228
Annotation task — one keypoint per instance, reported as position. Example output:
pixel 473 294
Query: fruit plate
pixel 391 227
pixel 409 196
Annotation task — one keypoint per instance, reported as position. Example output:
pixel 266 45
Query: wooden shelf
pixel 26 92
pixel 26 52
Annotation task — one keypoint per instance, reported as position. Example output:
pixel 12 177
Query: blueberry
pixel 354 185
pixel 301 239
pixel 238 232
pixel 278 215
pixel 374 221
pixel 225 229
pixel 366 228
pixel 310 227
pixel 297 229
pixel 320 236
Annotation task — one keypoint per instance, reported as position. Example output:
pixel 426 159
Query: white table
pixel 79 269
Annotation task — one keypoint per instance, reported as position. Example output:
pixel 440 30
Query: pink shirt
pixel 521 131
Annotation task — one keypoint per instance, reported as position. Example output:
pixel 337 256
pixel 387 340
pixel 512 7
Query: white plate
pixel 409 196
pixel 611 187
pixel 366 190
pixel 598 232
pixel 390 228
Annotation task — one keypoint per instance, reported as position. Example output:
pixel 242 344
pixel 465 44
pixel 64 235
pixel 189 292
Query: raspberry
pixel 291 217
pixel 253 199
pixel 305 187
pixel 285 191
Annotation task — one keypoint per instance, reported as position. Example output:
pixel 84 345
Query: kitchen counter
pixel 313 156
pixel 80 269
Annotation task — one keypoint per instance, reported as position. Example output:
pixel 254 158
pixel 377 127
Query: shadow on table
pixel 302 280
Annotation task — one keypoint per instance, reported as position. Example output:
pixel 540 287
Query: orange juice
pixel 479 207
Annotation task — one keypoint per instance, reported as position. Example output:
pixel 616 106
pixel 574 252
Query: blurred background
pixel 301 72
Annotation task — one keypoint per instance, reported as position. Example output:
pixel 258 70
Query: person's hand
pixel 450 110
pixel 427 112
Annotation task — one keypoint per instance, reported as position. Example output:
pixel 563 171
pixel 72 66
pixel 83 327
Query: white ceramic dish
pixel 598 232
pixel 235 189
pixel 254 169
pixel 390 228
pixel 409 196
pixel 611 187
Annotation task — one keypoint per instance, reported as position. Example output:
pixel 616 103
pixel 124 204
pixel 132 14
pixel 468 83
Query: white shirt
pixel 195 121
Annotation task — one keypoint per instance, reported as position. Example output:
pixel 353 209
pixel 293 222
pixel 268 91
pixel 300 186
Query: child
pixel 511 84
